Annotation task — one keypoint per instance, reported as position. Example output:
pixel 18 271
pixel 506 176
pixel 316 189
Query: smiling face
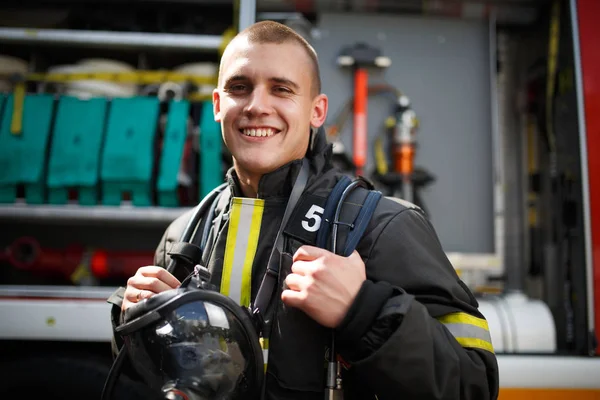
pixel 266 105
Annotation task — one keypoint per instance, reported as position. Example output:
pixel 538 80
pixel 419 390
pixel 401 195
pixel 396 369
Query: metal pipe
pixel 247 15
pixel 512 13
pixel 513 183
pixel 105 39
pixel 71 213
pixel 55 292
pixel 497 150
pixel 585 182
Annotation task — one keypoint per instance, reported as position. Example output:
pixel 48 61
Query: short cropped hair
pixel 265 32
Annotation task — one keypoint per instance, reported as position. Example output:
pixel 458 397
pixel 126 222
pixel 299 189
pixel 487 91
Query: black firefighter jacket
pixel 414 330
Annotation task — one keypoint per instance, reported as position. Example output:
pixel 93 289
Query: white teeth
pixel 260 132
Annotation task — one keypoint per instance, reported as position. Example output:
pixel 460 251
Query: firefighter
pixel 404 324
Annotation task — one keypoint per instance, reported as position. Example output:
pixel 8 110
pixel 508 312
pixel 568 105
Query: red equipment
pixel 74 261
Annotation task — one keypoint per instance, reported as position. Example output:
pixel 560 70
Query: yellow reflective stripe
pixel 469 331
pixel 475 343
pixel 234 221
pixel 464 318
pixel 240 249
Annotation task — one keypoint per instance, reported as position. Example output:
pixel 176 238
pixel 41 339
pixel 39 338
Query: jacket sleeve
pixel 414 330
pixel 116 299
pixel 161 259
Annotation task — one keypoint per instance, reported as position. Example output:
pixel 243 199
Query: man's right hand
pixel 147 282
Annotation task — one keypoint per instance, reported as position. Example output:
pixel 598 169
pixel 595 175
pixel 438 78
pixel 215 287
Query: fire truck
pixel 72 232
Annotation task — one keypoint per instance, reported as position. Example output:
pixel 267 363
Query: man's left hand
pixel 324 284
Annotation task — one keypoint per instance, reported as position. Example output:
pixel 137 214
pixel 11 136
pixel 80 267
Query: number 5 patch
pixel 312 219
pixel 307 218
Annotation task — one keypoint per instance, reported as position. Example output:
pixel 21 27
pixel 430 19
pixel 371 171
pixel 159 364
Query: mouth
pixel 262 132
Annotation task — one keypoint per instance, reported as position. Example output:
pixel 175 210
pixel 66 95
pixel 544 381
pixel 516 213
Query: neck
pixel 248 182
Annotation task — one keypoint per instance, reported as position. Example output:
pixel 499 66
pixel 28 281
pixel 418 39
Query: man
pixel 405 326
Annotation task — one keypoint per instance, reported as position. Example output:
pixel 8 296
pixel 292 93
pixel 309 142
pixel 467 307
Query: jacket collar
pixel 279 183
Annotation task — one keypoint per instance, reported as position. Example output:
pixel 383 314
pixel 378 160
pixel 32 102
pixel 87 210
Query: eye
pixel 237 88
pixel 282 89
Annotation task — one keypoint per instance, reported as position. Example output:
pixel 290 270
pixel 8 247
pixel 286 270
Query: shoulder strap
pixel 329 210
pixel 188 250
pixel 270 278
pixel 215 226
pixel 361 222
pixel 353 221
pixel 212 224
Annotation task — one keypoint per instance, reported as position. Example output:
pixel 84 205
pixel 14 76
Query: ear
pixel 319 110
pixel 216 97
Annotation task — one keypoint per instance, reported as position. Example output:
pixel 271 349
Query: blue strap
pixel 329 211
pixel 362 221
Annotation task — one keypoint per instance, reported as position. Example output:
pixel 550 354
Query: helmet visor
pixel 199 346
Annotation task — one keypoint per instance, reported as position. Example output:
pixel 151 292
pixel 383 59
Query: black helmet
pixel 194 343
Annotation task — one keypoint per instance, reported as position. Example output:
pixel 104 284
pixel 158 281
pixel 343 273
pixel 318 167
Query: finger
pixel 132 296
pixel 126 304
pixel 168 278
pixel 161 274
pixel 354 255
pixel 144 294
pixel 309 253
pixel 293 299
pixel 301 267
pixel 148 283
pixel 296 282
pixel 149 270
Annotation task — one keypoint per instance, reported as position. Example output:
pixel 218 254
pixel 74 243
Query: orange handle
pixel 361 82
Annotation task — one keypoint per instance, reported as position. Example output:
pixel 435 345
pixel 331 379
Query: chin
pixel 259 166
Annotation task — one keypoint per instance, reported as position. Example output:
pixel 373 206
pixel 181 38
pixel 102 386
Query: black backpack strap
pixel 188 253
pixel 271 277
pixel 193 252
pixel 216 224
pixel 218 205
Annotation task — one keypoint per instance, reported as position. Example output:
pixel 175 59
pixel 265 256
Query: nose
pixel 259 102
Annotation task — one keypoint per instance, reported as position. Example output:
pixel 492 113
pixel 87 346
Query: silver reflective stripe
pixel 239 252
pixel 468 331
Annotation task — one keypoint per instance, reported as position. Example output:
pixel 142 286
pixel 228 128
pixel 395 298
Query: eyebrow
pixel 236 78
pixel 285 81
pixel 280 80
